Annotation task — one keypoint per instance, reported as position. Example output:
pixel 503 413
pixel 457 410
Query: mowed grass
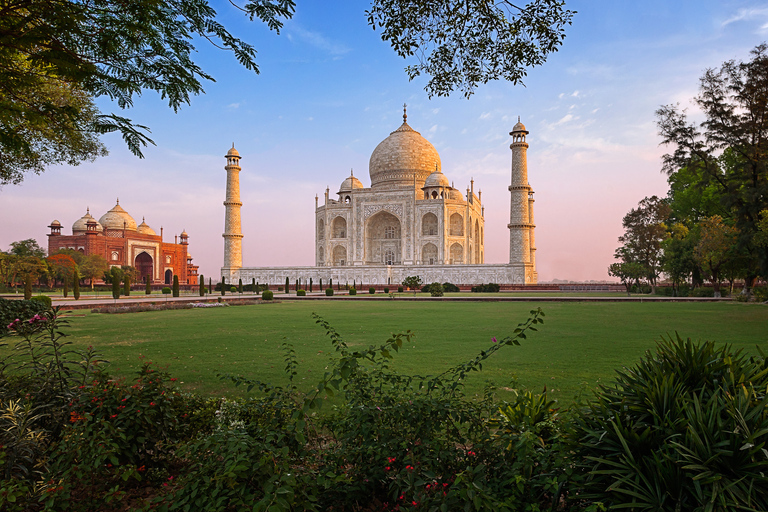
pixel 579 345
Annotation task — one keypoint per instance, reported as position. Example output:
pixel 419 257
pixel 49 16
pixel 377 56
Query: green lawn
pixel 579 345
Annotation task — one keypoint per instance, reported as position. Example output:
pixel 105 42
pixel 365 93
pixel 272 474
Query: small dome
pixel 351 183
pixel 117 218
pixel 437 179
pixel 519 127
pixel 184 234
pixel 81 224
pixel 399 158
pixel 232 151
pixel 55 223
pixel 144 229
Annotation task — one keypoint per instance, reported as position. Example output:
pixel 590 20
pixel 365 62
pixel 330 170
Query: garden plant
pixel 686 427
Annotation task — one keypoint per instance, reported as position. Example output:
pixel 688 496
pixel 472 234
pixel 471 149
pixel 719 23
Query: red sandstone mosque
pixel 117 238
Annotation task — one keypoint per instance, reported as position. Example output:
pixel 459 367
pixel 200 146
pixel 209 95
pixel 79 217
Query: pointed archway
pixel 143 263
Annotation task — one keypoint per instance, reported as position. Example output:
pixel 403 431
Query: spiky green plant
pixel 685 429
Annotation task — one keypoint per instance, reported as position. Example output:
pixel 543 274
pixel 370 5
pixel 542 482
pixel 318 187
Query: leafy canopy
pixel 460 44
pixel 729 149
pixel 57 56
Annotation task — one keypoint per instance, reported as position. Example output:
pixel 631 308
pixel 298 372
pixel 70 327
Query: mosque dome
pixel 349 184
pixel 232 151
pixel 116 218
pixel 144 228
pixel 81 224
pixel 400 157
pixel 437 179
pixel 55 223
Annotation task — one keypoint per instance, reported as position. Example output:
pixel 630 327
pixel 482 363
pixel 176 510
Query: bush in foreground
pixel 267 295
pixel 684 428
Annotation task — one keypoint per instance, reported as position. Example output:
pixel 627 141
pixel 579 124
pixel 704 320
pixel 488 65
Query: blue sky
pixel 330 90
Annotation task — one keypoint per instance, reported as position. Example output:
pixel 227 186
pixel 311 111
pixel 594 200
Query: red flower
pixel 152 404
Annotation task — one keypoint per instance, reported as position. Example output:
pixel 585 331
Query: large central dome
pixel 117 218
pixel 400 157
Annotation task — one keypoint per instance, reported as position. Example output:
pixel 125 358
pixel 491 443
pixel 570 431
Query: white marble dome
pixel 117 218
pixel 349 184
pixel 437 179
pixel 400 157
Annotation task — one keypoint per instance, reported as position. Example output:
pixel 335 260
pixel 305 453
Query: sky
pixel 329 90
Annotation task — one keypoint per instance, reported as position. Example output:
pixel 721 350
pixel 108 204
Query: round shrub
pixel 267 295
pixel 386 289
pixel 233 289
pixel 301 293
pixel 450 287
pixel 329 292
pixel 352 291
pixel 43 299
pixel 166 290
pixel 371 290
pixel 399 289
pixel 436 290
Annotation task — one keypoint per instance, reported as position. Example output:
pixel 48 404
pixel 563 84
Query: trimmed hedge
pixel 267 295
pixel 10 310
pixel 301 293
pixel 329 292
pixel 352 291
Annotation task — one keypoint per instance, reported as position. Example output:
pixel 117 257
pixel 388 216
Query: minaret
pixel 233 236
pixel 521 205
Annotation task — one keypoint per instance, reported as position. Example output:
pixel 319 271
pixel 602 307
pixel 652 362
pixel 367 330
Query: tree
pixel 147 285
pixel 30 268
pixel 240 286
pixel 678 261
pixel 628 272
pixel 223 286
pixel 27 247
pixel 201 287
pixel 715 248
pixel 462 43
pixel 287 284
pixel 61 267
pixel 93 266
pixel 113 275
pixel 58 56
pixel 76 286
pixel 644 231
pixel 126 284
pixel 412 282
pixel 130 272
pixel 729 148
pixel 761 237
pixel 115 286
pixel 46 121
pixel 175 285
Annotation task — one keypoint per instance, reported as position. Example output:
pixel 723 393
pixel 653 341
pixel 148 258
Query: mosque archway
pixel 429 254
pixel 457 225
pixel 143 264
pixel 168 276
pixel 383 239
pixel 457 254
pixel 429 224
pixel 339 256
pixel 339 227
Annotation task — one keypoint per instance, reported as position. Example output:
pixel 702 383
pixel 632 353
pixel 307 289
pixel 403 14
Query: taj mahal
pixel 411 221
